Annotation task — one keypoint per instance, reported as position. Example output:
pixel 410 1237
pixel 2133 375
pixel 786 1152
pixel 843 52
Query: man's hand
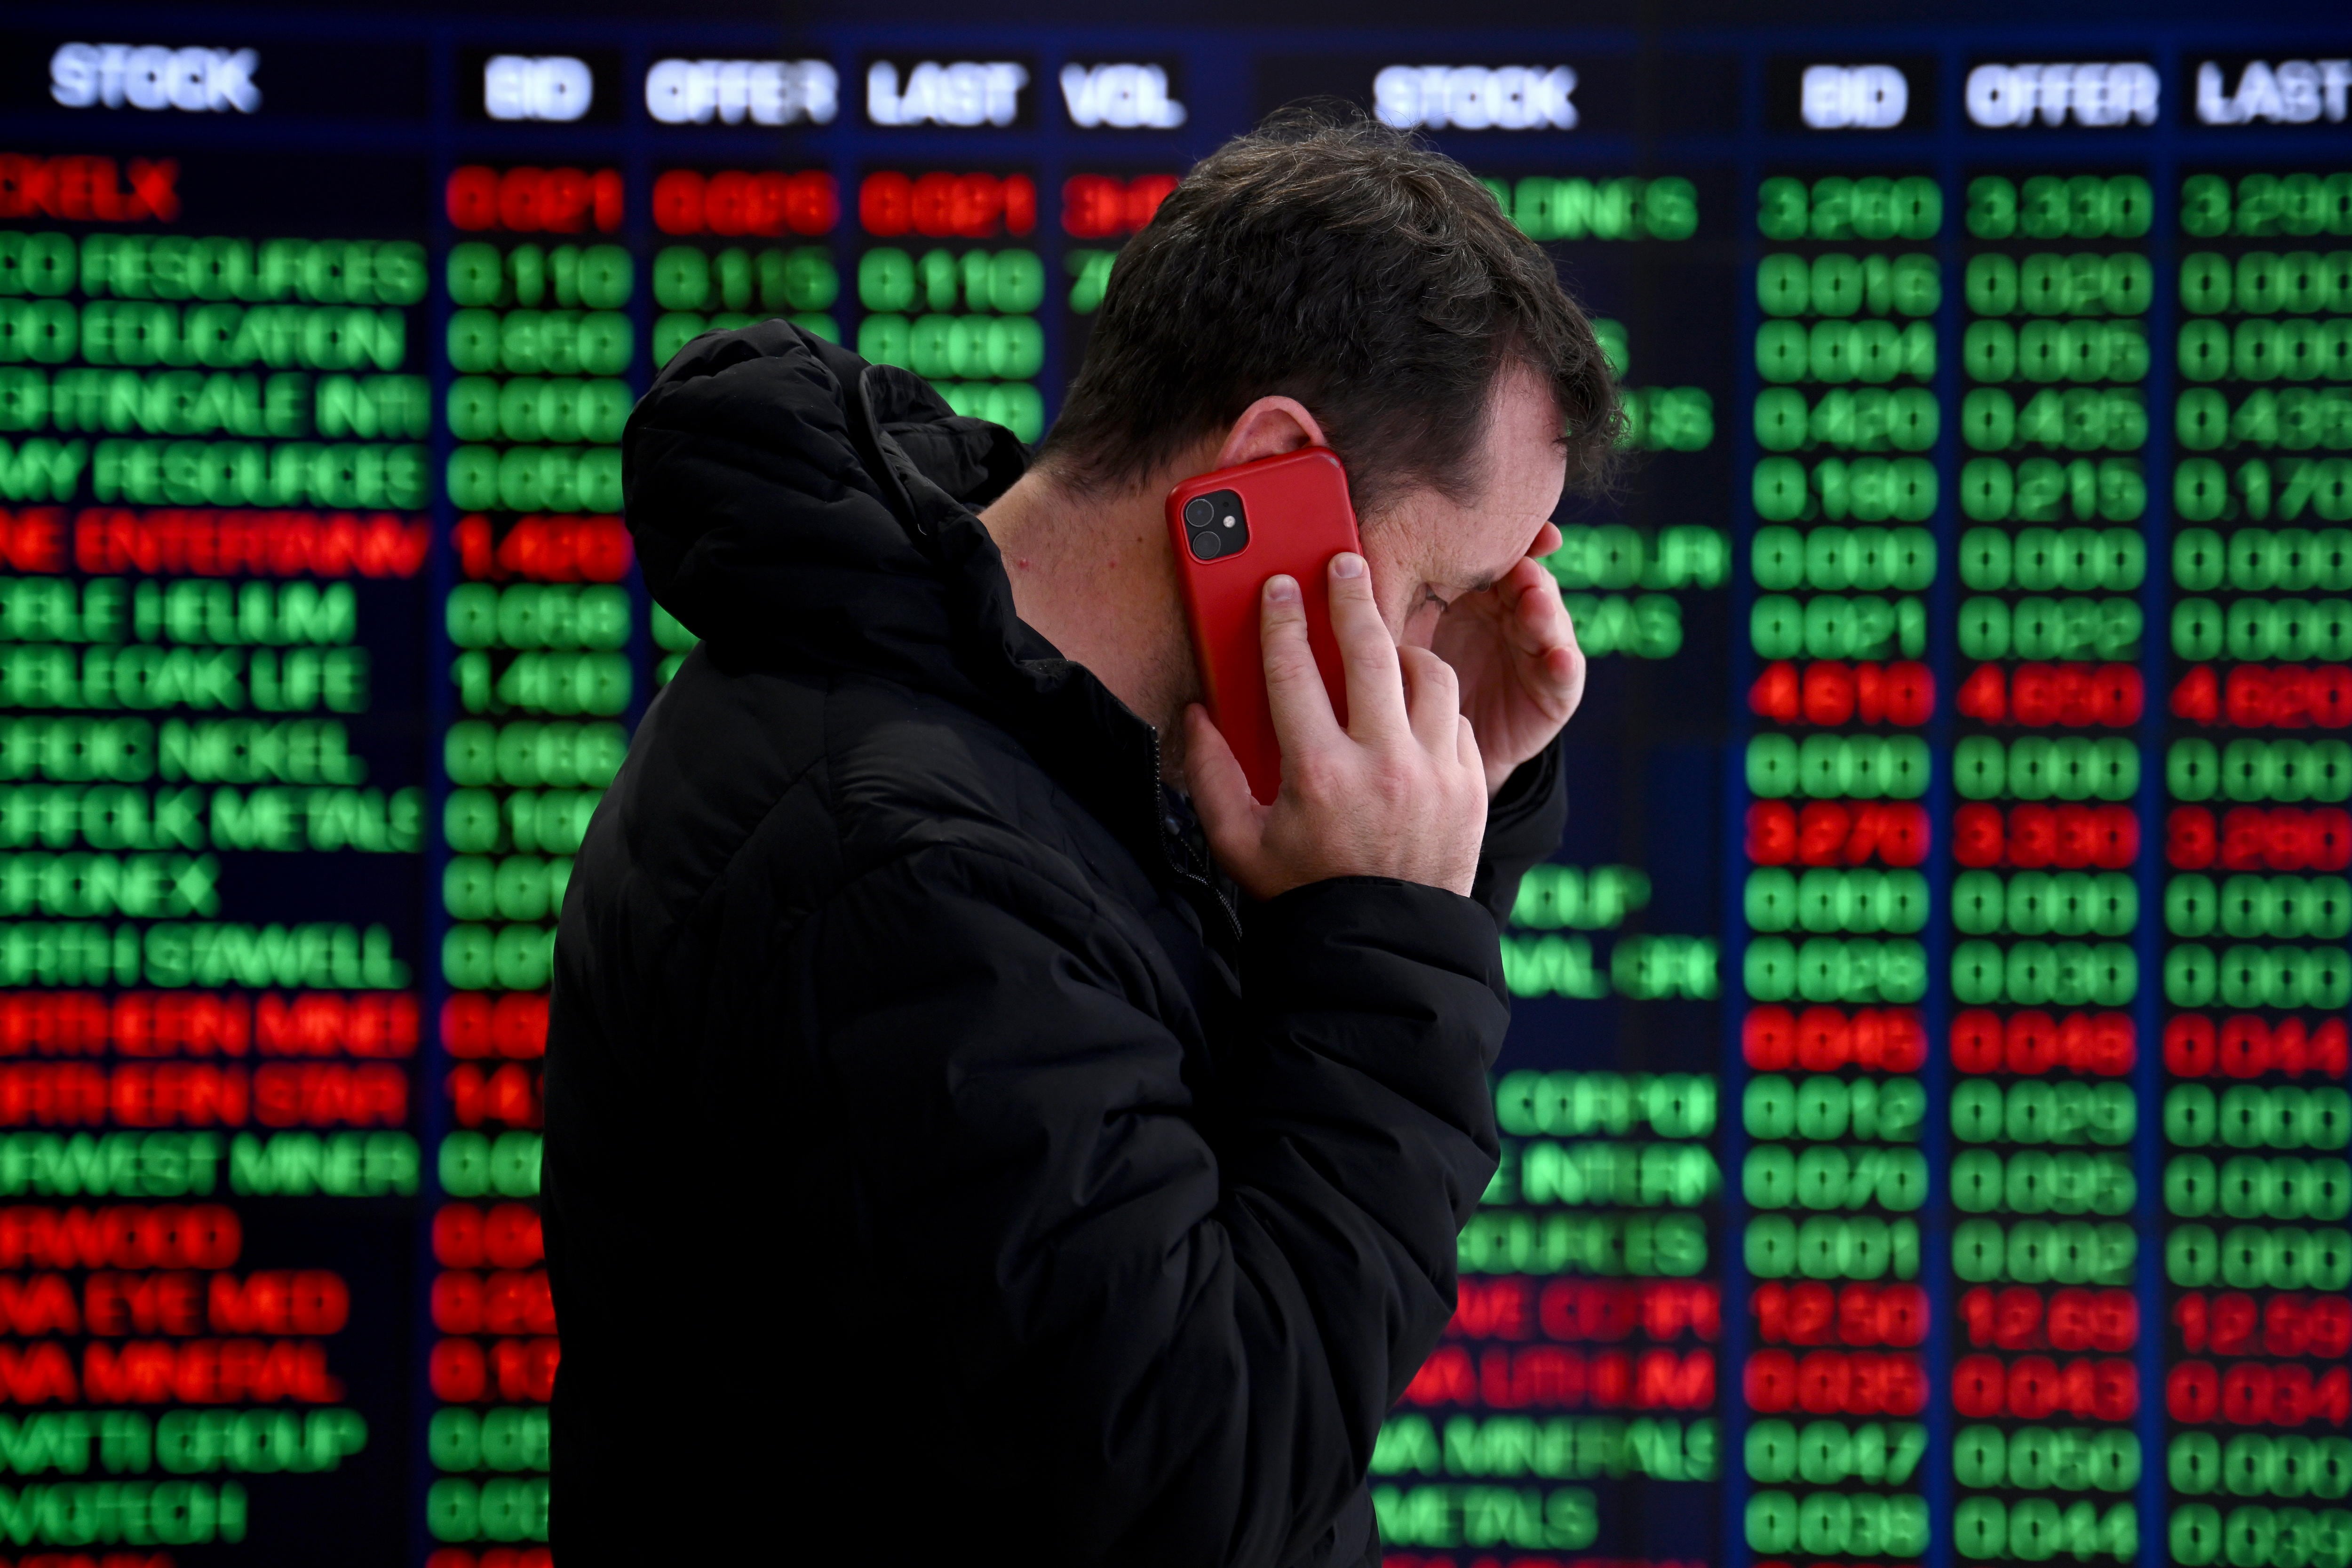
pixel 1399 793
pixel 1515 650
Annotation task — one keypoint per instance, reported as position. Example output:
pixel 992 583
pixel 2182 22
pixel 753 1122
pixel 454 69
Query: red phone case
pixel 1299 517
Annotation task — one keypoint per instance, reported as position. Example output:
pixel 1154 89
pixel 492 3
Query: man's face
pixel 1426 550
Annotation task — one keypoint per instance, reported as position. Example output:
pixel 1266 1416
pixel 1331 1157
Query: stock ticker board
pixel 1925 1117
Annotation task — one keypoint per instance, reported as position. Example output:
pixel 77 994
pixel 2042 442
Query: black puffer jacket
pixel 938 1168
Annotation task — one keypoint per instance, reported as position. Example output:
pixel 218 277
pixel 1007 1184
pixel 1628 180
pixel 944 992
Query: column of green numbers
pixel 1833 1176
pixel 540 341
pixel 962 315
pixel 2257 1257
pixel 2044 904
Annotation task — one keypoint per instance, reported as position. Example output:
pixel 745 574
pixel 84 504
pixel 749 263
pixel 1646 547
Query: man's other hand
pixel 1399 792
pixel 1514 649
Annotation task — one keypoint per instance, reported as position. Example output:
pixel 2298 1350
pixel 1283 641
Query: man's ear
pixel 1268 428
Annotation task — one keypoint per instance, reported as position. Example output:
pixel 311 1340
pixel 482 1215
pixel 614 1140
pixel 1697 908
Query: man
pixel 956 1152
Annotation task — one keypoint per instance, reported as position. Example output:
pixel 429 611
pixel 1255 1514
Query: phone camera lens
pixel 1217 525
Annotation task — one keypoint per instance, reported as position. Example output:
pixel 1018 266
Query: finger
pixel 1558 676
pixel 1564 671
pixel 1538 617
pixel 1375 684
pixel 1230 815
pixel 1294 687
pixel 1548 539
pixel 1433 697
pixel 1465 747
pixel 1525 611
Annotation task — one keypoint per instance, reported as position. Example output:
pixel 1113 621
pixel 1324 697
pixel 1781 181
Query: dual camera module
pixel 1216 524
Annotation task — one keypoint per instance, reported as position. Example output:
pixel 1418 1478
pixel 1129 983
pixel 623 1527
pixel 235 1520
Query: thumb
pixel 1230 815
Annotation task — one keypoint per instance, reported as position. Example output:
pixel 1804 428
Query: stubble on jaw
pixel 1176 678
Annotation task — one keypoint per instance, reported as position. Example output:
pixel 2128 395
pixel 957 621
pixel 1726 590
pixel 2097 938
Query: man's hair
pixel 1349 267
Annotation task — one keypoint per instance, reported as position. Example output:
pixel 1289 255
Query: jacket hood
pixel 797 507
pixel 788 502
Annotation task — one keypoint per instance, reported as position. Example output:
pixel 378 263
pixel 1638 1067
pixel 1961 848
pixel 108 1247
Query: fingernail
pixel 1347 565
pixel 1281 590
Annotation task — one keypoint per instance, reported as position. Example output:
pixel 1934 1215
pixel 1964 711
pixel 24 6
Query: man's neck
pixel 1095 574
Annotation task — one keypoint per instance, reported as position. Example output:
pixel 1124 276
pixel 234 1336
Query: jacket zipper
pixel 1186 870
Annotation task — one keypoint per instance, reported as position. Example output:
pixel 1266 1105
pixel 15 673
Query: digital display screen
pixel 1925 1117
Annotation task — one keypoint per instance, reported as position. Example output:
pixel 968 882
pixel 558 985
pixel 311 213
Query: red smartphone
pixel 1231 530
